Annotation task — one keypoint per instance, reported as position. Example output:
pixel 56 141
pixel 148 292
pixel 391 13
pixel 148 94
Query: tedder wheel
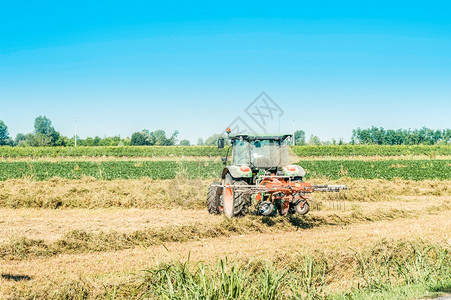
pixel 235 203
pixel 302 208
pixel 214 198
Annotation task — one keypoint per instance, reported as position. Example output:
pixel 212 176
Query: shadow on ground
pixel 15 277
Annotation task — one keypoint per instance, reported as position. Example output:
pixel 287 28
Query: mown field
pixel 116 225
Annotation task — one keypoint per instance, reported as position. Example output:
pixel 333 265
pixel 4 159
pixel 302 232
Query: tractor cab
pixel 260 154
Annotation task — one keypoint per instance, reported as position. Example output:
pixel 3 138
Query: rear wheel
pixel 235 203
pixel 214 198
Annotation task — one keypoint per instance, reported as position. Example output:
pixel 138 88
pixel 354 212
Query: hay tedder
pixel 261 176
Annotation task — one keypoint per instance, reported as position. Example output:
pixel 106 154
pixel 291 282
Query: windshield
pixel 267 154
pixel 261 154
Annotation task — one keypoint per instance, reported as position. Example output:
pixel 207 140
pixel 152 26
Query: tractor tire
pixel 243 201
pixel 214 198
pixel 235 203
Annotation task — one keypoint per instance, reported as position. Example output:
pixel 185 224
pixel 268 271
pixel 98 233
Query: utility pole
pixel 294 143
pixel 75 132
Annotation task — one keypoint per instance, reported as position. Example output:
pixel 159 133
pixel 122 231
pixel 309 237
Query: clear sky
pixel 123 66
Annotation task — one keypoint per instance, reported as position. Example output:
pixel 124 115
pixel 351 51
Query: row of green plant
pixel 372 150
pixel 109 170
pixel 110 151
pixel 333 169
pixel 179 151
pixel 383 169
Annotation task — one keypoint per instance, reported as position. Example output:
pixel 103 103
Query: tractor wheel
pixel 214 198
pixel 302 208
pixel 235 203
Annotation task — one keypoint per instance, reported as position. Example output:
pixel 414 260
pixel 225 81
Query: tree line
pixel 381 136
pixel 44 134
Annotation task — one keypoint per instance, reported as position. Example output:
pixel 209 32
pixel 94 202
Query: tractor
pixel 261 176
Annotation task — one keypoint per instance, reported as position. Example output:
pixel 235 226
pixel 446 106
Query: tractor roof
pixel 253 137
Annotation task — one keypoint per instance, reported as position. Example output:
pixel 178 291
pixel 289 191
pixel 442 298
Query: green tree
pixel 4 135
pixel 161 139
pixel 299 138
pixel 80 142
pixel 43 125
pixel 142 138
pixel 184 143
pixel 42 140
pixel 314 140
pixel 173 139
pixel 110 141
pixel 139 139
pixel 30 140
pixel 45 134
pixel 20 139
pixel 89 141
pixel 62 141
pixel 96 141
pixel 126 141
pixel 200 142
pixel 446 136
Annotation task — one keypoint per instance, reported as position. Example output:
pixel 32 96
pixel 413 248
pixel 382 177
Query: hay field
pixel 153 238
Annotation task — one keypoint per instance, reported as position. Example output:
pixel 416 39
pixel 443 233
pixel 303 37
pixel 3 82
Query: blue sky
pixel 122 66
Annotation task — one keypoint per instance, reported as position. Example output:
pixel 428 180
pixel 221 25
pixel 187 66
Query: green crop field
pixel 387 169
pixel 109 170
pixel 372 150
pixel 126 151
pixel 196 151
